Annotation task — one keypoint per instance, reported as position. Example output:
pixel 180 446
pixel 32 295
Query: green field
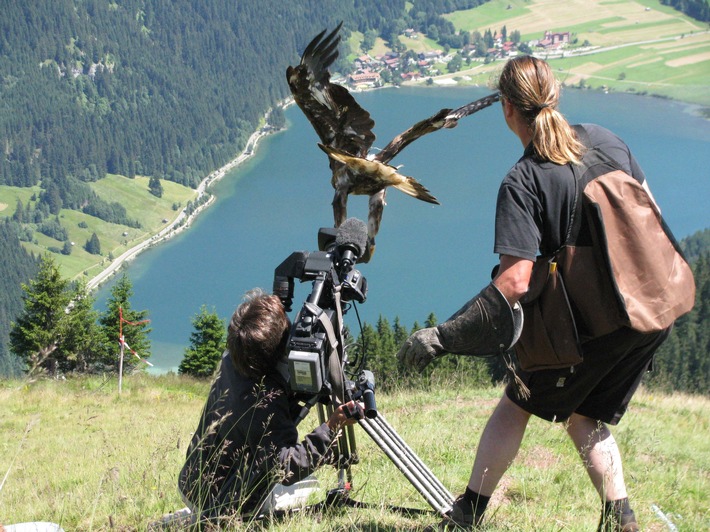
pixel 133 194
pixel 120 456
pixel 658 51
pixel 607 22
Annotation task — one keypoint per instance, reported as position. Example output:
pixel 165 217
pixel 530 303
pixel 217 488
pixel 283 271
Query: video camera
pixel 318 357
pixel 316 347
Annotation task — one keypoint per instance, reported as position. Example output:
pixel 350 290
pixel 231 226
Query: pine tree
pixel 207 343
pixel 136 336
pixel 93 245
pixel 82 348
pixel 155 187
pixel 42 326
pixel 385 355
pixel 57 330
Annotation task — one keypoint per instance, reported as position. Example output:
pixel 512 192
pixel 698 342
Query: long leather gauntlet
pixel 485 326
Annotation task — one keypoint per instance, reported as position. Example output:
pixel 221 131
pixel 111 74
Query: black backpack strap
pixel 575 220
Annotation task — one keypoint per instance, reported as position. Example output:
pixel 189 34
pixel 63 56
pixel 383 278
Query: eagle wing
pixel 470 108
pixel 375 176
pixel 445 118
pixel 332 111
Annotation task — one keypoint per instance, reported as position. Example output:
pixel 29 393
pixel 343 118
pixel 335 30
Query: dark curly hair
pixel 257 334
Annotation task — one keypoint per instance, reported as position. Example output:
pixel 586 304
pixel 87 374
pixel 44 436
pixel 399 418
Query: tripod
pixel 318 358
pixel 399 453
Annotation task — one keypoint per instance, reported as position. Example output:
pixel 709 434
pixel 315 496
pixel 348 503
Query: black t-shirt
pixel 535 198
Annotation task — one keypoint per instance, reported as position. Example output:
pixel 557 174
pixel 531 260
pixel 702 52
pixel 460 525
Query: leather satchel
pixel 549 337
pixel 620 266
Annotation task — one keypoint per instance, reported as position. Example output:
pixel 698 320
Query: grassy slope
pixel 133 194
pixel 76 453
pixel 677 69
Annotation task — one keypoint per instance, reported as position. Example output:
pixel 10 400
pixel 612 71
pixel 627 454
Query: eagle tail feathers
pixel 415 189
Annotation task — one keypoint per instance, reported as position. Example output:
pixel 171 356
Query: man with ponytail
pixel 533 212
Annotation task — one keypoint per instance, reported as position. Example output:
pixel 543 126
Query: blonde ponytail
pixel 529 85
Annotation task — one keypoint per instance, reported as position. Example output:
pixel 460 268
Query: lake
pixel 429 258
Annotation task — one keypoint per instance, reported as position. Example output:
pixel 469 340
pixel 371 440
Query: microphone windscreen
pixel 352 232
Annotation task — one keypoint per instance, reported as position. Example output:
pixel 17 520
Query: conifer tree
pixel 93 245
pixel 136 336
pixel 82 348
pixel 207 344
pixel 155 187
pixel 57 330
pixel 385 354
pixel 42 326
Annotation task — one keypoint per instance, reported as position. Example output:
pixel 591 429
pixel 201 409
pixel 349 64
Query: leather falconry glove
pixel 485 326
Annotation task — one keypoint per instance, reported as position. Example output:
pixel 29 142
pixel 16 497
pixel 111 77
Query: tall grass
pixel 76 453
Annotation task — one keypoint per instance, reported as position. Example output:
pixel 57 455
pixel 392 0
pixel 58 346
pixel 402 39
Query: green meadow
pixel 151 212
pixel 77 453
pixel 638 46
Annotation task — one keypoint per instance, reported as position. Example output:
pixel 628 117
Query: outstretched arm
pixel 513 277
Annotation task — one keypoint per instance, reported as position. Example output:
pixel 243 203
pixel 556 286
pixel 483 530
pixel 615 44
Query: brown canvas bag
pixel 621 265
pixel 549 337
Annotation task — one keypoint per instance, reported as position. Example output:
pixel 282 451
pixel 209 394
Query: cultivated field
pixel 634 46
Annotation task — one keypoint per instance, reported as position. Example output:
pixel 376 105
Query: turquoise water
pixel 429 258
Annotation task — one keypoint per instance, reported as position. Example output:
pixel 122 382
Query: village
pixel 399 67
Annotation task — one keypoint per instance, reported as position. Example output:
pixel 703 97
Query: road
pixel 182 221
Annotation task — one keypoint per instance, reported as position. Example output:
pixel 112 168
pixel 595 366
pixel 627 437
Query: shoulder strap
pixel 584 139
pixel 592 158
pixel 575 219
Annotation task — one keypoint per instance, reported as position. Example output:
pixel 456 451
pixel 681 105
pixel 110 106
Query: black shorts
pixel 600 387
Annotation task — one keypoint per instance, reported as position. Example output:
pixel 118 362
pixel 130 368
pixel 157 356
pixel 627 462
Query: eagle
pixel 345 132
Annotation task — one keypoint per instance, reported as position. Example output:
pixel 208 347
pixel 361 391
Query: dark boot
pixel 614 519
pixel 463 516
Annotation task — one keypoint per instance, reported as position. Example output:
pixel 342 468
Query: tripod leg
pixel 345 454
pixel 408 463
pixel 407 451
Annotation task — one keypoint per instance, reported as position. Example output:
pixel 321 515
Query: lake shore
pixel 183 219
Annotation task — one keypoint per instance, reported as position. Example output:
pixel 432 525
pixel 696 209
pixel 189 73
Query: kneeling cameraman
pixel 246 442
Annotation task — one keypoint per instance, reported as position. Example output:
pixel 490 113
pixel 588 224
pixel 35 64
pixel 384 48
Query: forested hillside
pixel 166 88
pixel 683 361
pixel 16 266
pixel 170 89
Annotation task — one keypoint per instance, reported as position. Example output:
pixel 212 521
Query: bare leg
pixel 499 444
pixel 600 455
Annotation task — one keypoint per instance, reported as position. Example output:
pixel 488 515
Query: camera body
pixel 315 348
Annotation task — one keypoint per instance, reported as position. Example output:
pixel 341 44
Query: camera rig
pixel 319 368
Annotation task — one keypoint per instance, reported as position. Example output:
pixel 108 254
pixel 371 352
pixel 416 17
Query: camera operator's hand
pixel 420 348
pixel 346 414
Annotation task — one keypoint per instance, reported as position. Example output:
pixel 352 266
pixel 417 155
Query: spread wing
pixel 445 118
pixel 374 176
pixel 332 111
pixel 470 108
